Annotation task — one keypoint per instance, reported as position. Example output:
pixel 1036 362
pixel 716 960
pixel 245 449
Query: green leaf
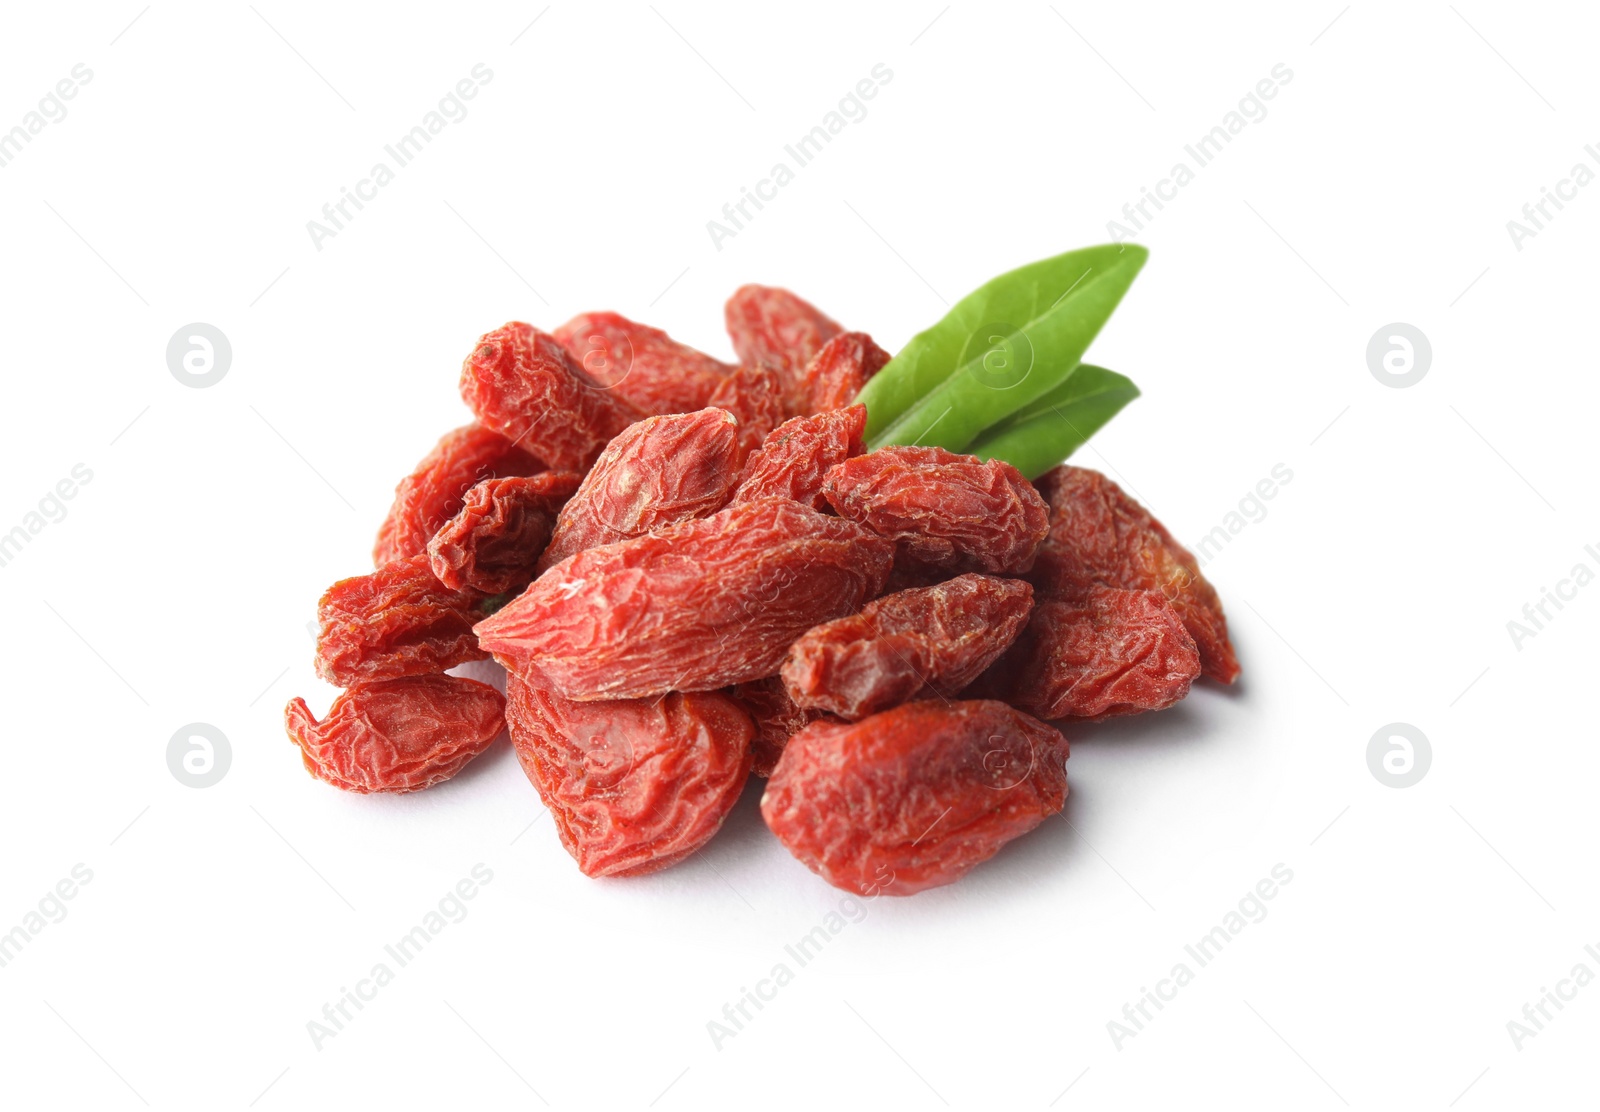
pixel 1001 348
pixel 1042 434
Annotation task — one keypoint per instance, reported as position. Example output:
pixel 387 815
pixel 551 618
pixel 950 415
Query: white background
pixel 1377 589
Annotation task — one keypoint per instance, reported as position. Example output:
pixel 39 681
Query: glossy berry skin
pixel 521 383
pixel 772 327
pixel 397 735
pixel 1105 651
pixel 493 544
pixel 916 644
pixel 396 621
pixel 914 797
pixel 839 370
pixel 649 369
pixel 694 607
pixel 946 511
pixel 634 785
pixel 795 457
pixel 1099 535
pixel 657 472
pixel 434 492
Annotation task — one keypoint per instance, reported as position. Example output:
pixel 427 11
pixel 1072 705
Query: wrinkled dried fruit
pixel 796 456
pixel 773 327
pixel 1100 535
pixel 839 370
pixel 697 606
pixel 911 645
pixel 946 511
pixel 396 621
pixel 432 494
pixel 916 796
pixel 399 735
pixel 522 384
pixel 776 717
pixel 652 371
pixel 658 472
pixel 1106 651
pixel 634 785
pixel 754 395
pixel 493 544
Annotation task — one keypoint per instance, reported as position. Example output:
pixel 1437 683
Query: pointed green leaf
pixel 1042 434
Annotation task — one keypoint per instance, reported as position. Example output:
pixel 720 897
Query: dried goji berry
pixel 1105 651
pixel 396 621
pixel 1100 535
pixel 777 718
pixel 840 369
pixel 694 607
pixel 432 494
pixel 772 326
pixel 493 544
pixel 521 383
pixel 654 372
pixel 916 796
pixel 633 785
pixel 754 395
pixel 910 645
pixel 795 456
pixel 946 511
pixel 657 472
pixel 398 735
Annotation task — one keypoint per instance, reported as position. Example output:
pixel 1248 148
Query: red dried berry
pixel 911 645
pixel 772 326
pixel 521 383
pixel 837 373
pixel 493 544
pixel 634 785
pixel 795 457
pixel 916 796
pixel 776 718
pixel 396 621
pixel 1100 535
pixel 652 371
pixel 694 607
pixel 946 511
pixel 658 472
pixel 754 395
pixel 399 735
pixel 432 494
pixel 1107 651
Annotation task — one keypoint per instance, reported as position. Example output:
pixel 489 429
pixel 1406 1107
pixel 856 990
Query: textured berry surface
pixel 839 370
pixel 754 395
pixel 1100 535
pixel 396 621
pixel 947 511
pixel 776 717
pixel 521 383
pixel 432 494
pixel 658 472
pixel 398 735
pixel 916 796
pixel 494 543
pixel 649 369
pixel 694 607
pixel 796 456
pixel 915 644
pixel 635 785
pixel 1104 652
pixel 772 327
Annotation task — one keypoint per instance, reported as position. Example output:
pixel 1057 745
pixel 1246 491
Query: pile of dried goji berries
pixel 694 570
